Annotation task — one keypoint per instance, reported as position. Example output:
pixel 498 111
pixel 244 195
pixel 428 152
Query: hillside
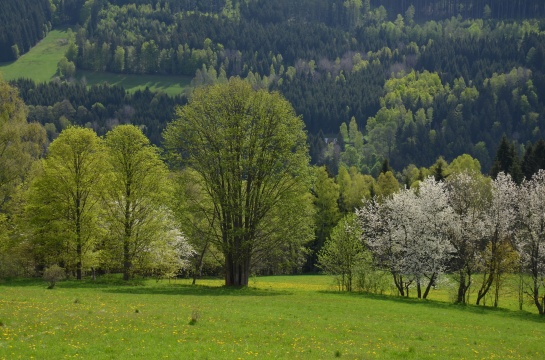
pixel 467 72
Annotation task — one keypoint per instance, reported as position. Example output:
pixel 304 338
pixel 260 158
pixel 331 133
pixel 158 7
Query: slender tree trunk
pixel 79 247
pixel 484 288
pixel 127 263
pixel 430 284
pixel 464 284
pixel 398 281
pixel 418 289
pixel 79 262
pixel 461 288
pixel 198 267
pixel 521 287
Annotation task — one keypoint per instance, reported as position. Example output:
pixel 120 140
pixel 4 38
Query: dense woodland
pixel 22 25
pixel 475 69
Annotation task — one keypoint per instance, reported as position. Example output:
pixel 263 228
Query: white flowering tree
pixel 430 249
pixel 497 257
pixel 407 233
pixel 469 195
pixel 530 237
pixel 381 235
pixel 169 255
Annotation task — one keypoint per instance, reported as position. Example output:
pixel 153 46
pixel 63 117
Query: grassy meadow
pixel 282 317
pixel 171 85
pixel 40 65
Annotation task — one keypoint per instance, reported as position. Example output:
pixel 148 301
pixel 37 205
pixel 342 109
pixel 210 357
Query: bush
pixel 53 274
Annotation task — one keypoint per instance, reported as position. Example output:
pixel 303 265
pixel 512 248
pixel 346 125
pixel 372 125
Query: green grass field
pixel 40 65
pixel 281 317
pixel 171 85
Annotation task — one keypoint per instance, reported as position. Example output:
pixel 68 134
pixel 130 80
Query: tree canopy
pixel 249 148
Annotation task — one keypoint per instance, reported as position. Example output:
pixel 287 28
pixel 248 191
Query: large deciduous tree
pixel 250 150
pixel 64 201
pixel 136 197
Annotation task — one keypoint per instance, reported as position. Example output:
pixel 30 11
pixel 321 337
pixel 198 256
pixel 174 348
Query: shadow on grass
pixel 196 290
pixel 115 284
pixel 435 304
pixel 22 282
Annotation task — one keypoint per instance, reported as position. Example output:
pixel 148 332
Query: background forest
pixel 422 79
pixel 391 93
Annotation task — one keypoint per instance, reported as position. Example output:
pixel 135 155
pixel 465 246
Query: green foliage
pixel 22 24
pixel 54 274
pixel 386 185
pixel 249 165
pixel 21 143
pixel 343 254
pixel 64 200
pixel 138 219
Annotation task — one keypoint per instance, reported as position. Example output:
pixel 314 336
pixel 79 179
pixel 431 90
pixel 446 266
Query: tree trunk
pixel 78 264
pixel 430 284
pixel 198 267
pixel 398 281
pixel 127 264
pixel 237 271
pixel 463 286
pixel 79 247
pixel 484 288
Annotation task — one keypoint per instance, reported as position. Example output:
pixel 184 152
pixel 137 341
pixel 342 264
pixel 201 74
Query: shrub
pixel 53 274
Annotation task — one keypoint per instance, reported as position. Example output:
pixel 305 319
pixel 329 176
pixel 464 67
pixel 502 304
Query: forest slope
pixel 334 60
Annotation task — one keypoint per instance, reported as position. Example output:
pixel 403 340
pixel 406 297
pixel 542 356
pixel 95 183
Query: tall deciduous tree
pixel 250 150
pixel 500 219
pixel 530 238
pixel 326 196
pixel 138 191
pixel 469 196
pixel 20 142
pixel 65 198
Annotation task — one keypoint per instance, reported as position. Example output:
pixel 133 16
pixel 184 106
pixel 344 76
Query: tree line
pixel 82 201
pixel 56 105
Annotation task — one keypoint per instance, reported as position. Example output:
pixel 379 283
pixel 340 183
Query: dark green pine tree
pixel 386 167
pixel 534 159
pixel 528 162
pixel 507 161
pixel 504 158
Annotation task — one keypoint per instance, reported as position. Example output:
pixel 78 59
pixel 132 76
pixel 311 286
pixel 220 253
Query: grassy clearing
pixel 277 317
pixel 40 65
pixel 171 85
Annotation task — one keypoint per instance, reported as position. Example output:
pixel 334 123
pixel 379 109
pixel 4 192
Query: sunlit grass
pixel 171 85
pixel 40 65
pixel 282 317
